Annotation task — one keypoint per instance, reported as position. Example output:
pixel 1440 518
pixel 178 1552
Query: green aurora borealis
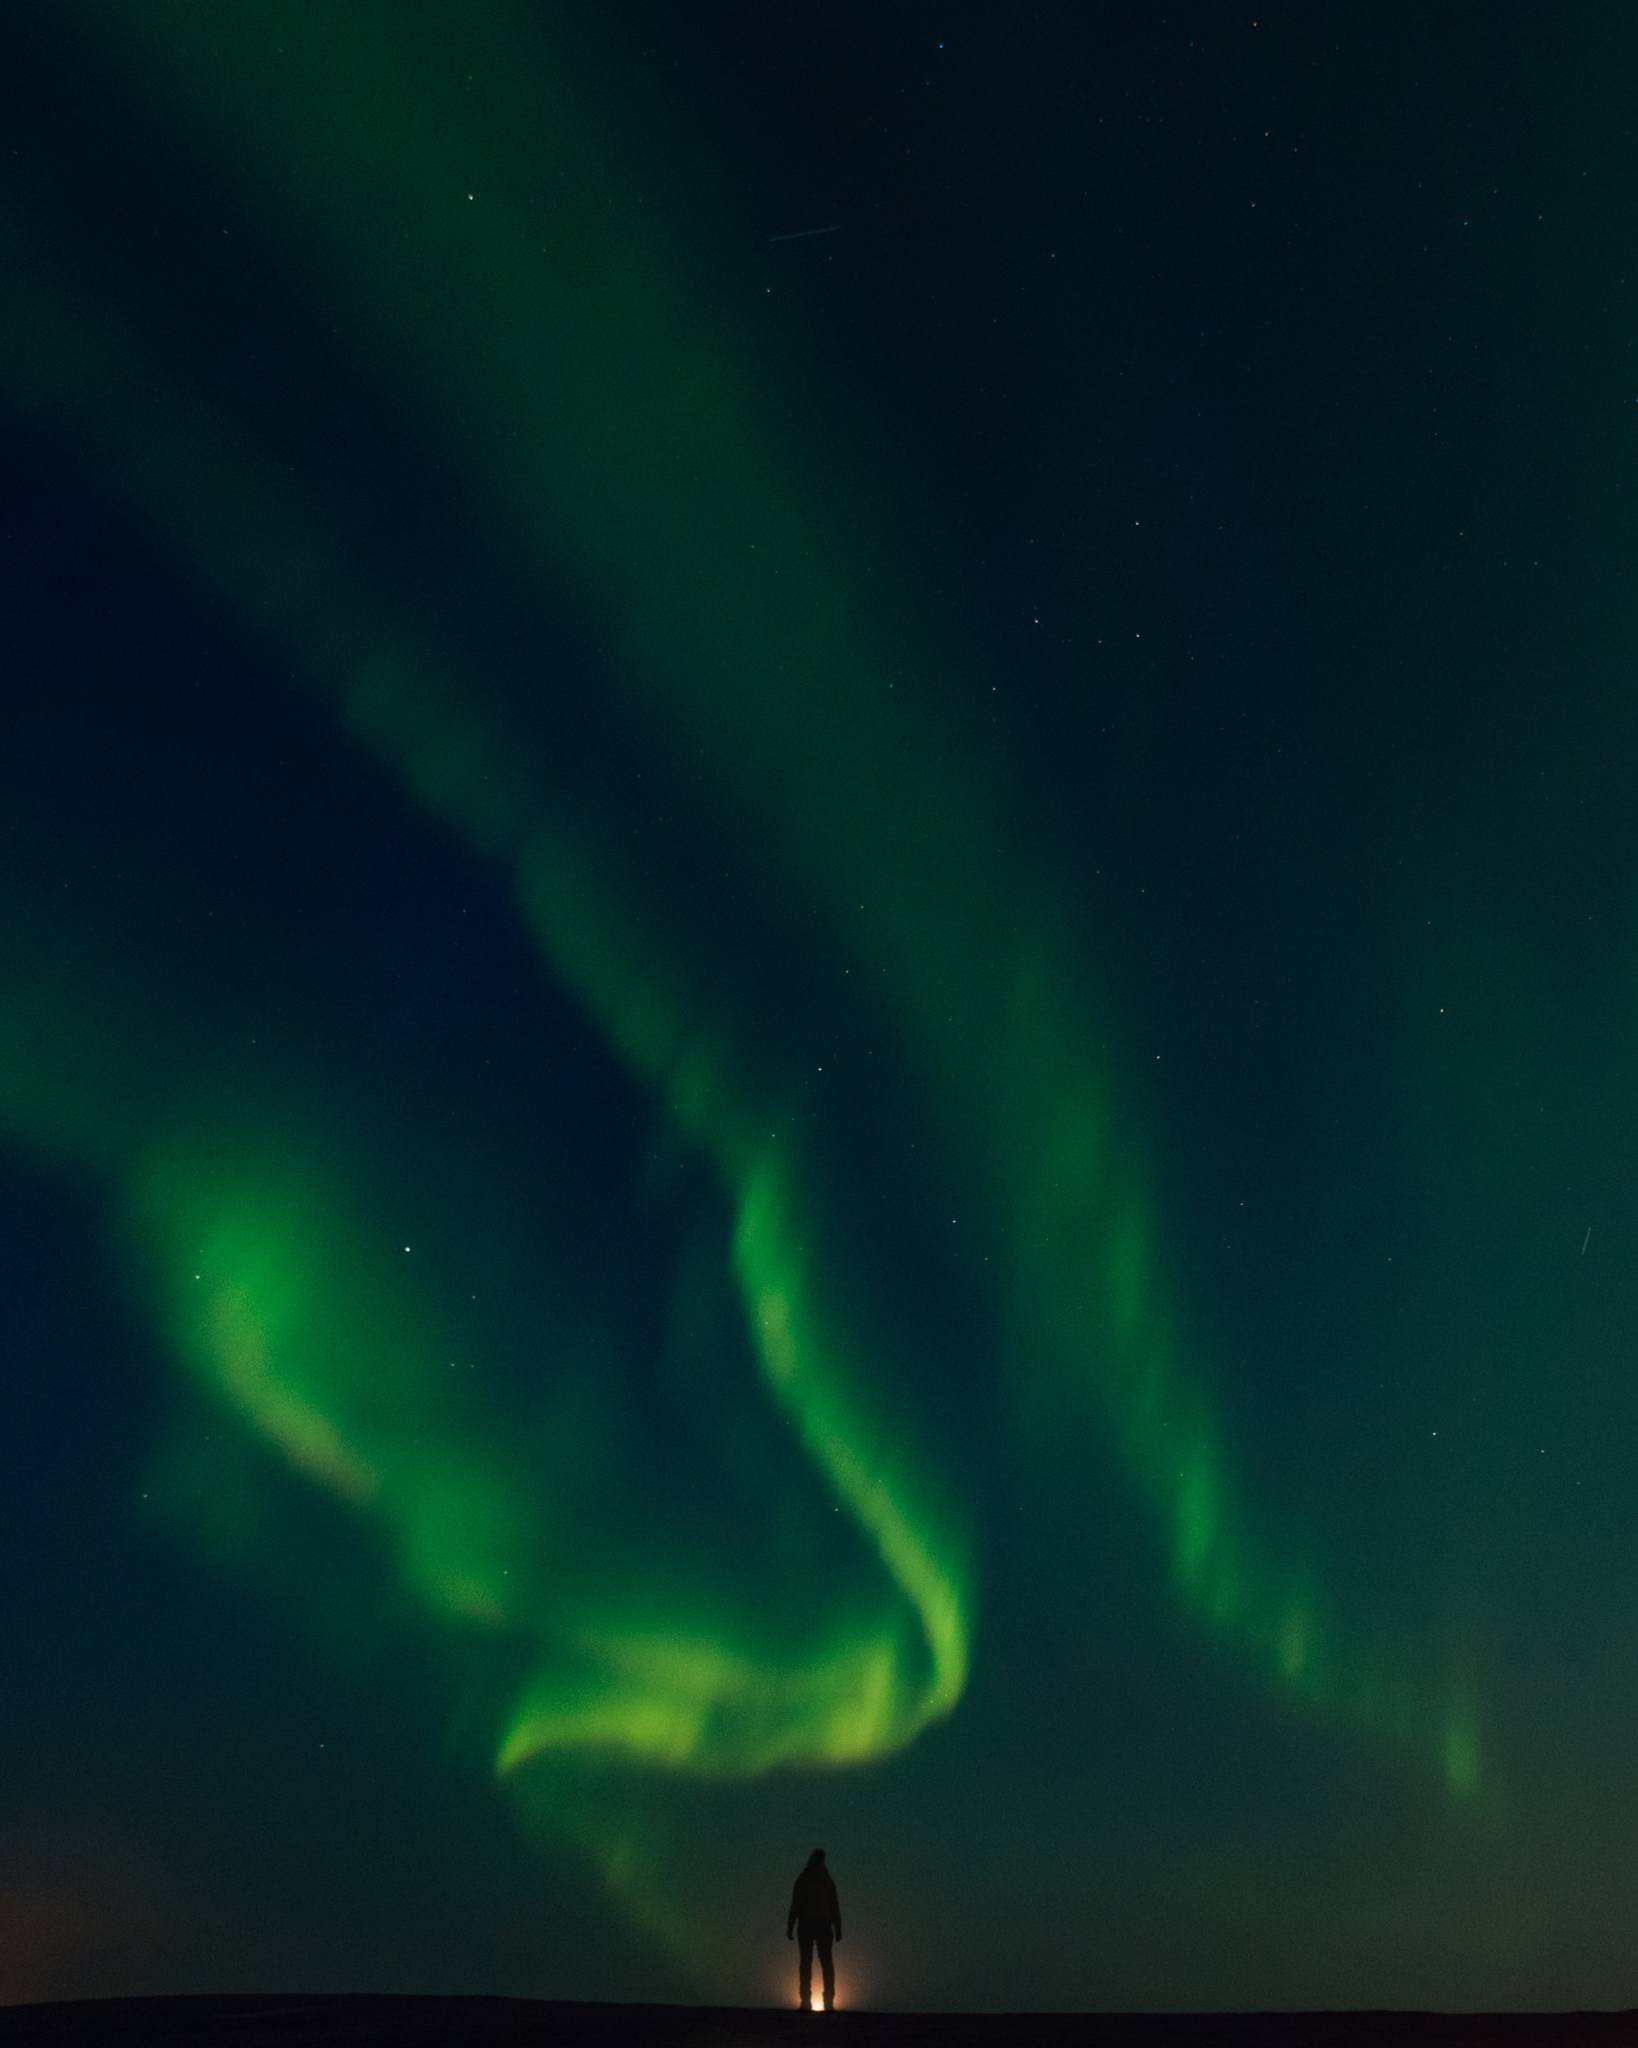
pixel 759 1349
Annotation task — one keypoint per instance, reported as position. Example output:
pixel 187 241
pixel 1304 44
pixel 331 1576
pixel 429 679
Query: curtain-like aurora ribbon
pixel 614 420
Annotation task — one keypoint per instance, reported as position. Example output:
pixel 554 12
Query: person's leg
pixel 826 1967
pixel 804 1960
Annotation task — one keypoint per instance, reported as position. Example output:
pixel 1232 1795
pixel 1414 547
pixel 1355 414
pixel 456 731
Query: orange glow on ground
pixel 780 1990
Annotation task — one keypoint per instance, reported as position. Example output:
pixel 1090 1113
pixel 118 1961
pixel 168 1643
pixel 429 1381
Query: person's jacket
pixel 813 1897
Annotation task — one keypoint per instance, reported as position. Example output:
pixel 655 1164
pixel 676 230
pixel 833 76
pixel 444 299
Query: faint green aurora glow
pixel 258 1266
pixel 616 423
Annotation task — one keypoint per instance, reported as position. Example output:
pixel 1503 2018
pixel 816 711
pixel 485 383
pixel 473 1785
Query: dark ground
pixel 339 2022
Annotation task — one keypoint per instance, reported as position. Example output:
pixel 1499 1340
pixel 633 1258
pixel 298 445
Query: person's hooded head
pixel 816 1859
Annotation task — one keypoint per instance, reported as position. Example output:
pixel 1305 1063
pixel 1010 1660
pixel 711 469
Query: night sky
pixel 818 973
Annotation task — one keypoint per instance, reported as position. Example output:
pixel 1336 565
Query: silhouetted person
pixel 814 1914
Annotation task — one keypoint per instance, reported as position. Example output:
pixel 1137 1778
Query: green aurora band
pixel 613 418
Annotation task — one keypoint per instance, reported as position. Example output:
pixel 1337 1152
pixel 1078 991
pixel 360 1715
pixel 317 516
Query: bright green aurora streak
pixel 614 418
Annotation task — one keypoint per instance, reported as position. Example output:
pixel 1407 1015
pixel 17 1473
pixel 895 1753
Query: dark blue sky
pixel 826 1038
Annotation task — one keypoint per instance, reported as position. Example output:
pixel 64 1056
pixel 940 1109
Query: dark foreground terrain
pixel 360 2022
